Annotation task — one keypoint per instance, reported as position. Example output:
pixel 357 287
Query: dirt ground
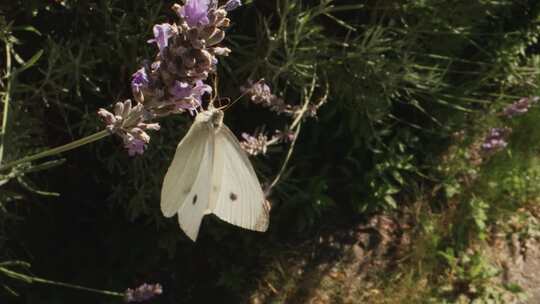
pixel 518 255
pixel 338 267
pixel 346 266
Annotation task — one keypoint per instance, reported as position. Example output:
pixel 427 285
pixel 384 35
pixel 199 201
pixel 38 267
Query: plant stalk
pixel 72 145
pixel 6 101
pixel 30 280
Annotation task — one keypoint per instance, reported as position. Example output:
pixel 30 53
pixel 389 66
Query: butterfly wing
pixel 185 188
pixel 236 196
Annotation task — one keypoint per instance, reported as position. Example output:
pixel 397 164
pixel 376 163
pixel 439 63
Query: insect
pixel 211 174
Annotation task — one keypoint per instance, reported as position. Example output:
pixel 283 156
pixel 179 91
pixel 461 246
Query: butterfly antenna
pixel 235 101
pixel 241 95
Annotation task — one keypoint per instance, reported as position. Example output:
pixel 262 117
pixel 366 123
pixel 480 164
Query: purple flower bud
pixel 139 133
pixel 112 121
pixel 162 33
pixel 128 122
pixel 201 88
pixel 222 51
pixel 495 140
pixel 135 146
pixel 107 116
pixel 232 5
pixel 155 65
pixel 256 144
pixel 139 80
pixel 150 126
pixel 285 136
pixel 259 92
pixel 180 90
pixel 119 108
pixel 188 97
pixel 519 107
pixel 143 293
pixel 195 12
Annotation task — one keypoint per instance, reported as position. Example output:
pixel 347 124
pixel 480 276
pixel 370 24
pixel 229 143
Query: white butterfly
pixel 210 173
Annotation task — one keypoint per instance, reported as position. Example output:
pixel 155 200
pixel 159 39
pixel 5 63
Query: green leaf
pixel 30 187
pixel 44 166
pixel 30 62
pixel 10 291
pixel 452 189
pixel 27 28
pixel 390 201
pixel 514 288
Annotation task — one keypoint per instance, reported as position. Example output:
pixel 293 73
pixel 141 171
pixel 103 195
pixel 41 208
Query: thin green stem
pixel 30 280
pixel 6 101
pixel 72 145
pixel 287 158
pixel 296 126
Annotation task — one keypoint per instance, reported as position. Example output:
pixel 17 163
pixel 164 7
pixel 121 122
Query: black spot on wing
pixel 233 197
pixel 194 201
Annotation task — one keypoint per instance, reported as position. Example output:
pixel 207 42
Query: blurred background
pixel 418 178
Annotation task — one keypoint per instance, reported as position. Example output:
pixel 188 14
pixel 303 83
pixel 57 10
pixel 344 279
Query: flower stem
pixel 287 158
pixel 6 101
pixel 30 280
pixel 72 145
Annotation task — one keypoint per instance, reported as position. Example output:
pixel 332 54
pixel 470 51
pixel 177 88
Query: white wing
pixel 186 185
pixel 236 197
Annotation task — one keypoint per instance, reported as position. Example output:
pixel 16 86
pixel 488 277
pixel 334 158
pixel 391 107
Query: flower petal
pixel 232 5
pixel 195 12
pixel 162 33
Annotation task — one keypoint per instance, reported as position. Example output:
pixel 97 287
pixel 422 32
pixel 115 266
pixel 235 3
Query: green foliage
pixel 471 280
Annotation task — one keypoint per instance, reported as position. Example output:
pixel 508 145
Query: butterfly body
pixel 211 174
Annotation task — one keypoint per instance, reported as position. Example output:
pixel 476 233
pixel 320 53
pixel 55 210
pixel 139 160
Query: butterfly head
pixel 212 116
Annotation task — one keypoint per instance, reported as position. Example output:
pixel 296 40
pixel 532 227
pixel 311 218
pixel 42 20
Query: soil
pixel 518 254
pixel 346 265
pixel 338 267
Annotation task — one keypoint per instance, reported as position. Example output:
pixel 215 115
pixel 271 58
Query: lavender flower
pixel 162 33
pixel 260 93
pixel 188 97
pixel 519 107
pixel 312 109
pixel 195 12
pixel 199 89
pixel 495 140
pixel 174 81
pixel 232 5
pixel 285 136
pixel 180 90
pixel 134 146
pixel 128 123
pixel 143 293
pixel 222 51
pixel 139 81
pixel 254 145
